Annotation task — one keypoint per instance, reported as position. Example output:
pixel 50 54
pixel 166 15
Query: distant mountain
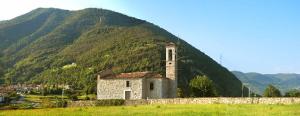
pixel 35 46
pixel 258 82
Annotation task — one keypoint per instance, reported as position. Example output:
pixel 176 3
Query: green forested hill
pixel 40 46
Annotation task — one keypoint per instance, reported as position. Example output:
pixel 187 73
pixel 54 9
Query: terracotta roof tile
pixel 135 75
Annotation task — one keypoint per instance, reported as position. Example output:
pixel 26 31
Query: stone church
pixel 140 85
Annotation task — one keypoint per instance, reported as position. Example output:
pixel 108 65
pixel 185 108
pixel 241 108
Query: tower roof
pixel 170 44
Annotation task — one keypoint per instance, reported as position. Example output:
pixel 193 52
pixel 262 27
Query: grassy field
pixel 171 110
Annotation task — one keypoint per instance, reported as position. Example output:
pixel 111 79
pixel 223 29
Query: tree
pixel 202 86
pixel 272 91
pixel 293 93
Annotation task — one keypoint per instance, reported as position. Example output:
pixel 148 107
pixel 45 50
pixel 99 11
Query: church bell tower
pixel 171 69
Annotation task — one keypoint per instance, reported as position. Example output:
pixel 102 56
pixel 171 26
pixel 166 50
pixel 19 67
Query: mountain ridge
pixel 268 73
pixel 37 44
pixel 258 82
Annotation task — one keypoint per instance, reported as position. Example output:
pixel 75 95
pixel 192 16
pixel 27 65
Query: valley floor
pixel 172 110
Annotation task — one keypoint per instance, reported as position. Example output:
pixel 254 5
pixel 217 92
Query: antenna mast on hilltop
pixel 100 20
pixel 221 58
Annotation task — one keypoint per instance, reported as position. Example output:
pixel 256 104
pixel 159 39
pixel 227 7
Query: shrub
pixel 87 98
pixel 180 93
pixel 10 97
pixel 58 103
pixel 47 103
pixel 73 97
pixel 13 106
pixel 293 93
pixel 26 106
pixel 61 103
pixel 110 102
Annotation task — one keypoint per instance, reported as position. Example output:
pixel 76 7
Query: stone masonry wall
pixel 220 100
pixel 115 88
pixel 171 71
pixel 81 103
pixel 223 100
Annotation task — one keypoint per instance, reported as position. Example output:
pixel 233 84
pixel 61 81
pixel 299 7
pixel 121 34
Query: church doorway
pixel 127 95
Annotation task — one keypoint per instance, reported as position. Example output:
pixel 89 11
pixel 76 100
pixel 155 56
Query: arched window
pixel 170 55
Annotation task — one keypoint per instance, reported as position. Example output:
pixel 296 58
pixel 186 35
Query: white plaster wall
pixel 157 90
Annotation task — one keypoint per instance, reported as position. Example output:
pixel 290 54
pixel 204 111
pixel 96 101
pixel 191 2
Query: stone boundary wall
pixel 217 100
pixel 225 100
pixel 81 103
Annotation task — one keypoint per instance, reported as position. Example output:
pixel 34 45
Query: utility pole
pixel 221 58
pixel 249 91
pixel 242 89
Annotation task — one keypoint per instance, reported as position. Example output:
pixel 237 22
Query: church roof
pixel 138 75
pixel 133 75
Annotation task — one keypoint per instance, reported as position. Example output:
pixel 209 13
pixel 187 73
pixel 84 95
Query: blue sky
pixel 250 35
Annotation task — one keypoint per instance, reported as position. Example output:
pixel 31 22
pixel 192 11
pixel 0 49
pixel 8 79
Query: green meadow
pixel 169 110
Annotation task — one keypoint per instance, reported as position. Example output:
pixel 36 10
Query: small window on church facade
pixel 151 86
pixel 170 55
pixel 127 84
